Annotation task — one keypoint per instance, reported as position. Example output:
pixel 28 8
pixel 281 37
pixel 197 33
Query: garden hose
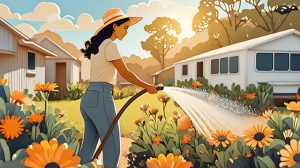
pixel 117 117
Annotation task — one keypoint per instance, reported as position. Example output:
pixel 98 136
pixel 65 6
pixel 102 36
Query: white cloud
pixel 44 11
pixel 85 21
pixel 166 8
pixel 59 25
pixel 27 29
pixel 5 13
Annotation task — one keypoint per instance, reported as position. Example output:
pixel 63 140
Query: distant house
pixel 274 59
pixel 63 69
pixel 164 76
pixel 22 61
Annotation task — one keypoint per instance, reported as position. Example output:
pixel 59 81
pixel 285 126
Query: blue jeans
pixel 98 110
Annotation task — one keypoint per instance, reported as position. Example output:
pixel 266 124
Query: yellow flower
pixel 163 98
pixel 47 87
pixel 250 96
pixel 268 113
pixel 153 111
pixel 18 97
pixel 184 123
pixel 258 135
pixel 222 137
pixel 290 154
pixel 11 127
pixel 35 118
pixel 50 154
pixel 186 139
pixel 196 84
pixel 293 106
pixel 3 81
pixel 170 161
pixel 156 140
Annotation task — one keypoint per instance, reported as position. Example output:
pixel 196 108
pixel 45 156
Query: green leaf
pixel 19 155
pixel 2 108
pixel 5 149
pixel 158 149
pixel 265 162
pixel 203 153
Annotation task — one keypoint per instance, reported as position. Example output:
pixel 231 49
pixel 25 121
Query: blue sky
pixel 131 43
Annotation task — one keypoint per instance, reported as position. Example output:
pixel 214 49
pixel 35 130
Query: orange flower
pixel 196 84
pixel 137 122
pixel 248 155
pixel 169 161
pixel 184 123
pixel 3 81
pixel 293 106
pixel 144 107
pixel 18 97
pixel 290 154
pixel 187 152
pixel 50 154
pixel 186 139
pixel 153 111
pixel 163 98
pixel 35 118
pixel 11 127
pixel 250 96
pixel 47 87
pixel 156 140
pixel 258 135
pixel 222 137
pixel 214 91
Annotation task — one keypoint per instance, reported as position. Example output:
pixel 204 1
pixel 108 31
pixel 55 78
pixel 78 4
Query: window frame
pixel 273 61
pixel 187 70
pixel 28 60
pixel 238 67
pixel 218 67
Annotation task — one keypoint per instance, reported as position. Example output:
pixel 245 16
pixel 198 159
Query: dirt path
pixel 125 144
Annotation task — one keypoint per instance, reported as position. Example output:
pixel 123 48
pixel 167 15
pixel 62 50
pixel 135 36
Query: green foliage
pixel 168 81
pixel 125 92
pixel 75 91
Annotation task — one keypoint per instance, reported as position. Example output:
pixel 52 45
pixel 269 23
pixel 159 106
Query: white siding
pixel 76 68
pixel 226 79
pixel 51 69
pixel 14 68
pixel 192 73
pixel 6 39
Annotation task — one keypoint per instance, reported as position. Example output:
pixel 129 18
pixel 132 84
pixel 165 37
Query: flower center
pixel 52 165
pixel 259 136
pixel 297 158
pixel 222 138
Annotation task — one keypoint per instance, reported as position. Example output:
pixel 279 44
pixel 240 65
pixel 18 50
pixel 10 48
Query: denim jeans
pixel 98 110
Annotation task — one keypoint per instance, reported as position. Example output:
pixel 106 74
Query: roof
pixel 25 41
pixel 162 70
pixel 66 52
pixel 243 45
pixel 13 29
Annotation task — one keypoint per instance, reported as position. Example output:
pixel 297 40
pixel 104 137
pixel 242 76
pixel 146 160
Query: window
pixel 31 61
pixel 214 66
pixel 281 61
pixel 224 65
pixel 295 62
pixel 234 64
pixel 264 61
pixel 184 69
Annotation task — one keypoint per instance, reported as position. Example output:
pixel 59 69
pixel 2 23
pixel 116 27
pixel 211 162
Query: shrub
pixel 75 91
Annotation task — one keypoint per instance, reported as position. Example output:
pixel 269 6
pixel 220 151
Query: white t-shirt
pixel 101 69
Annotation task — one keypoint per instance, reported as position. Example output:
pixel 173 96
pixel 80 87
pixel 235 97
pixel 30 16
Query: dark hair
pixel 92 46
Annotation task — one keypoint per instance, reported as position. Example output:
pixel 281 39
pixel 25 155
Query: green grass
pixel 133 112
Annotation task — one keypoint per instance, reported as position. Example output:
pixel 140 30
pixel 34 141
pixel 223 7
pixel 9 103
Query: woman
pixel 97 105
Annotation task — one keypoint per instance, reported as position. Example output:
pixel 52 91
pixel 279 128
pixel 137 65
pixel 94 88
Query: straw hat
pixel 115 14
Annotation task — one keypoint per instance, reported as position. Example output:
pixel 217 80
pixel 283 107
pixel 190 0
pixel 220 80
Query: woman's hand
pixel 151 89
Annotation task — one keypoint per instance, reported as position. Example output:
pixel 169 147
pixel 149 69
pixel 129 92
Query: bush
pixel 125 92
pixel 75 91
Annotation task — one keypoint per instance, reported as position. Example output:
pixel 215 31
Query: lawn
pixel 133 112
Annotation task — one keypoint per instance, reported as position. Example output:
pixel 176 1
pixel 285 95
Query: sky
pixel 77 20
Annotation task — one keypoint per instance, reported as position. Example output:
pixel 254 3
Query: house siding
pixel 6 39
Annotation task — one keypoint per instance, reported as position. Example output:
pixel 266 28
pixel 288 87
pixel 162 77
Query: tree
pixel 163 38
pixel 209 13
pixel 268 19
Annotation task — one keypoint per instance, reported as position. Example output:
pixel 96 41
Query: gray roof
pixel 243 45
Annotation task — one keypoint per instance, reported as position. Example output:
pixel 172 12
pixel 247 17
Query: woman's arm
pixel 131 77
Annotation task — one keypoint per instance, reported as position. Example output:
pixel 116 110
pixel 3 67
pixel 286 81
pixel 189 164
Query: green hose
pixel 117 117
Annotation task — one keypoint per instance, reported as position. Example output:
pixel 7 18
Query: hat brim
pixel 132 21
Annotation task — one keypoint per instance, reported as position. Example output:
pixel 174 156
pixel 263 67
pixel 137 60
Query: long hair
pixel 92 46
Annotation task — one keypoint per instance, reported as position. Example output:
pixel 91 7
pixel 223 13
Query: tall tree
pixel 265 16
pixel 163 38
pixel 209 12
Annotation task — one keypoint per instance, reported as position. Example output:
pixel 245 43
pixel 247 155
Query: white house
pixel 63 69
pixel 273 58
pixel 22 62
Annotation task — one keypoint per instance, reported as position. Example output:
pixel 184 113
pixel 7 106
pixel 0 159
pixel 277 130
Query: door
pixel 61 74
pixel 199 69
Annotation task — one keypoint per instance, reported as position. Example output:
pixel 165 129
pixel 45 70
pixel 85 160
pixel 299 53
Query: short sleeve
pixel 112 52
